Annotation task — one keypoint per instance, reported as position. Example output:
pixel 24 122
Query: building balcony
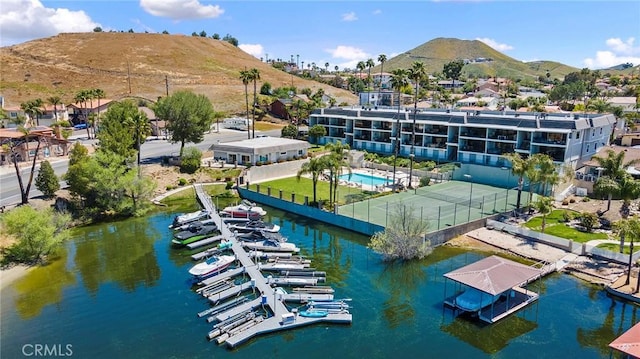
pixel 472 149
pixel 548 141
pixel 476 134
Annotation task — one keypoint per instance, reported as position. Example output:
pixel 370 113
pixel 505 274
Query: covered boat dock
pixel 628 343
pixel 495 288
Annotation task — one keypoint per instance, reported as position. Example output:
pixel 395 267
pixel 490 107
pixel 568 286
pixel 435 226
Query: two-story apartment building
pixel 471 137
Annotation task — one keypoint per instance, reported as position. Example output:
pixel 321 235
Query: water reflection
pixel 490 338
pixel 600 337
pixel 400 280
pixel 117 252
pixel 43 286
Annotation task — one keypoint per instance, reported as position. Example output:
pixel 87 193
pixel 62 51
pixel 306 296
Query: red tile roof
pixel 628 342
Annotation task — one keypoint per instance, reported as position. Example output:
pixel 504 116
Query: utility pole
pixel 129 77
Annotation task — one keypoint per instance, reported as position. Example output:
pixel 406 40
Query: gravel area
pixel 520 246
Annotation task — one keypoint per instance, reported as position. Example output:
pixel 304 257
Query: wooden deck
pixel 503 307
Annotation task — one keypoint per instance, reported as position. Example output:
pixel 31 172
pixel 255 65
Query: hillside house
pixel 52 143
pixel 78 111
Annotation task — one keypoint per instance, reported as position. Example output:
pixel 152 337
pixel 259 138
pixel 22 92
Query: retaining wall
pixel 274 170
pixel 439 237
pixel 353 224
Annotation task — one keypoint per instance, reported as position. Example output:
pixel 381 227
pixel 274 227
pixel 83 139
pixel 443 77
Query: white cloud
pixel 351 56
pixel 350 16
pixel 23 20
pixel 619 52
pixel 377 12
pixel 252 49
pixel 181 9
pixel 496 45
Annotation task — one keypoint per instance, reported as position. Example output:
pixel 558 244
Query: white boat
pixel 473 300
pixel 189 217
pixel 255 226
pixel 215 264
pixel 271 246
pixel 186 226
pixel 245 209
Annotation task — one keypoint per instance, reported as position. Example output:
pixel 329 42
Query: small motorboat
pixel 212 265
pixel 189 217
pixel 193 234
pixel 473 300
pixel 254 226
pixel 260 236
pixel 186 226
pixel 313 313
pixel 269 245
pixel 245 209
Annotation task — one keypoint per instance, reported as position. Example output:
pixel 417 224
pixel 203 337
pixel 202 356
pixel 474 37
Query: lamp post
pixel 468 176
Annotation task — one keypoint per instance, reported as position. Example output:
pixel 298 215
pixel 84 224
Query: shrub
pixel 572 200
pixel 586 199
pixel 182 181
pixel 170 187
pixel 191 160
pixel 424 181
pixel 229 185
pixel 258 163
pixel 565 202
pixel 567 216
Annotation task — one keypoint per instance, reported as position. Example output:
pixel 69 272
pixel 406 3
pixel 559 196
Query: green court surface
pixel 442 205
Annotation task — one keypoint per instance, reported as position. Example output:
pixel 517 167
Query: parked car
pixel 80 126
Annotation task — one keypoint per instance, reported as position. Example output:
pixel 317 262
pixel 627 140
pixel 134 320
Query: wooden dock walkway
pixel 204 242
pixel 282 318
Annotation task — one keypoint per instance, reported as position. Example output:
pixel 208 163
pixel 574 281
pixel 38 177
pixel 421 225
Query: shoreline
pixel 9 275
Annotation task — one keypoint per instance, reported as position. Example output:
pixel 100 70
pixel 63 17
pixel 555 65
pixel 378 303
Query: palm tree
pixel 605 185
pixel 326 66
pixel 314 167
pixel 629 190
pixel 99 94
pixel 519 168
pixel 544 205
pixel 382 58
pixel 55 101
pixel 360 66
pixel 33 108
pixel 417 72
pixel 369 65
pixel 335 162
pixel 245 77
pixel 613 165
pixel 298 104
pixel 139 124
pixel 81 98
pixel 336 68
pixel 255 76
pixel 399 80
pixel 628 228
pixel 548 173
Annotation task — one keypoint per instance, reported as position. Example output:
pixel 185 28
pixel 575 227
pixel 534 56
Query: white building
pixel 262 150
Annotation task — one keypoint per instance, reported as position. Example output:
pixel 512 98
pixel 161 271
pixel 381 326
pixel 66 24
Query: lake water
pixel 120 290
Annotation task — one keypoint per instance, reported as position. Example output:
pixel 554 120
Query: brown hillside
pixel 67 63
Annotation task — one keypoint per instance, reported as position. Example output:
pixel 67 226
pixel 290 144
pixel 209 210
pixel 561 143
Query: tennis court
pixel 442 205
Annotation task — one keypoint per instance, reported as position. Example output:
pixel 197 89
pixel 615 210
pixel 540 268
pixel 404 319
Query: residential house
pixel 488 102
pixel 591 171
pixel 52 144
pixel 449 84
pixel 627 103
pixel 77 111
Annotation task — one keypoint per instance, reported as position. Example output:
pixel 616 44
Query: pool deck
pixel 400 177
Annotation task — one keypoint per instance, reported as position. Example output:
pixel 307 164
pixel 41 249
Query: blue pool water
pixel 364 179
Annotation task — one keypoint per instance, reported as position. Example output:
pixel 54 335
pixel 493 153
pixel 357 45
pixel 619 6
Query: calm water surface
pixel 120 291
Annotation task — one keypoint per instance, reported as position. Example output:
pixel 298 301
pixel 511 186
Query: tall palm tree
pixel 314 167
pixel 629 190
pixel 544 205
pixel 547 171
pixel 336 68
pixel 326 66
pixel 54 101
pixel 613 165
pixel 33 109
pixel 139 124
pixel 99 95
pixel 369 65
pixel 519 168
pixel 360 66
pixel 399 80
pixel 382 58
pixel 255 76
pixel 605 185
pixel 628 228
pixel 81 98
pixel 417 72
pixel 335 162
pixel 245 77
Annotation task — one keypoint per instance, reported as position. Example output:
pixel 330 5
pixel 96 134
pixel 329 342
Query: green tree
pixel 544 205
pixel 403 238
pixel 188 116
pixel 54 101
pixel 613 164
pixel 336 161
pixel 588 220
pixel 606 186
pixel 77 176
pixel 255 76
pixel 360 66
pixel 47 181
pixel 314 167
pixel 37 233
pixel 382 58
pixel 369 64
pixel 628 228
pixel 399 80
pixel 289 131
pixel 33 108
pixel 519 168
pixel 629 190
pixel 317 131
pixel 116 134
pixel 452 70
pixel 139 126
pixel 191 160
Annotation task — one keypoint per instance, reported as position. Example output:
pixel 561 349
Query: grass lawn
pixel 267 126
pixel 304 187
pixel 615 247
pixel 555 226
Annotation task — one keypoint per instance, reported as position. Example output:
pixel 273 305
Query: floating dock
pixel 282 318
pixel 204 242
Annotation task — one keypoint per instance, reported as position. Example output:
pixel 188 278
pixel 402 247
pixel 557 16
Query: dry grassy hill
pixel 67 63
pixel 437 52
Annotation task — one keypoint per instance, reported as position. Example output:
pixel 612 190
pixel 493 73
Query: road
pixel 152 150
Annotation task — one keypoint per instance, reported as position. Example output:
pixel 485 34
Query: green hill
pixel 437 52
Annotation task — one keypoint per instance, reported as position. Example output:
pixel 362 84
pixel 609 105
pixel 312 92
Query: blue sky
pixel 594 34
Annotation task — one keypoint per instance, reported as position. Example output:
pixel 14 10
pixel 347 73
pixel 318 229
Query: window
pixel 300 152
pixel 577 135
pixel 283 153
pixel 587 148
pixel 600 130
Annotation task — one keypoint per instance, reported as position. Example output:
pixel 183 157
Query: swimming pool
pixel 365 179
